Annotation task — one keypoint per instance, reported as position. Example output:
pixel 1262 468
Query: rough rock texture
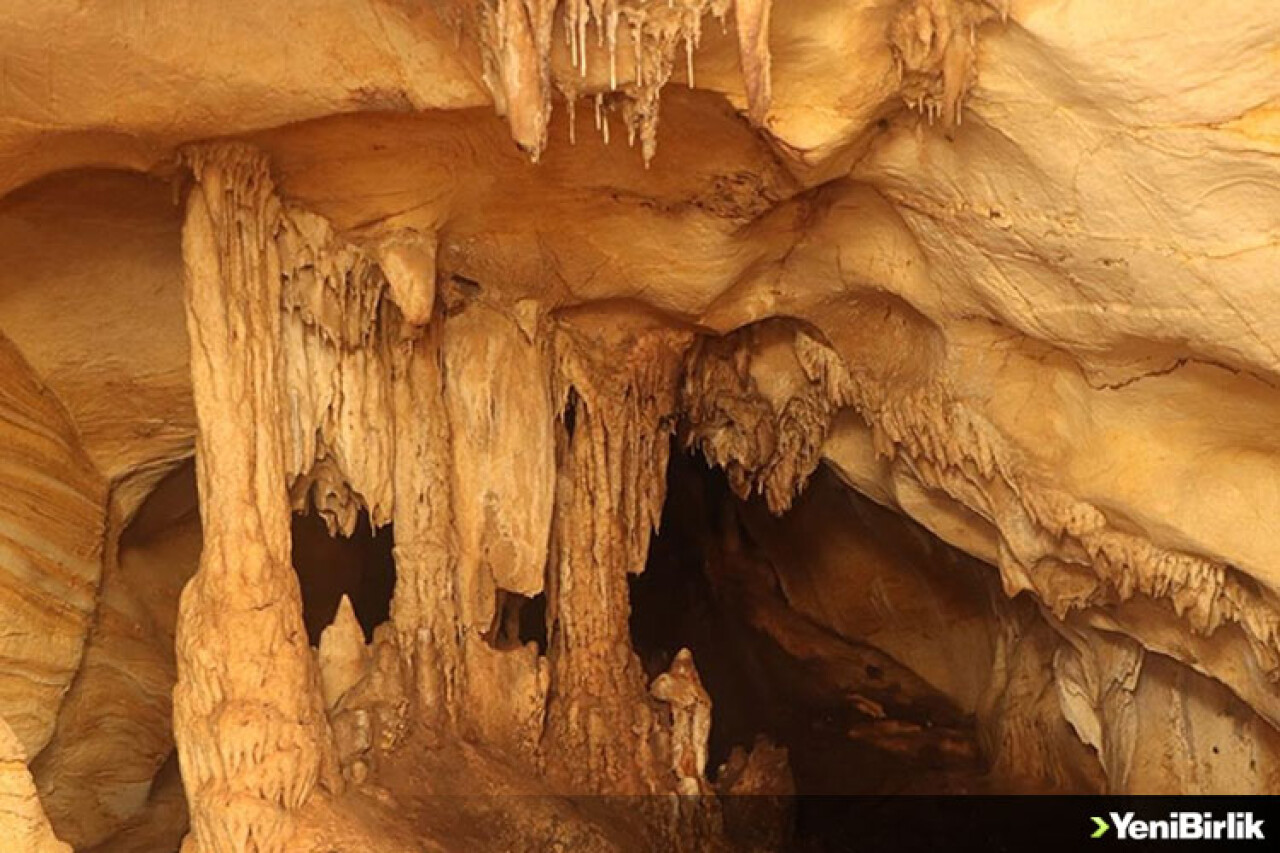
pixel 249 755
pixel 609 498
pixel 969 302
pixel 22 820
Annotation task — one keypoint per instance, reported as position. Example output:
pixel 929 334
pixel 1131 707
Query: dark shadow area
pixel 172 502
pixel 360 566
pixel 160 549
pixel 853 720
pixel 533 622
pixel 519 620
pixel 674 605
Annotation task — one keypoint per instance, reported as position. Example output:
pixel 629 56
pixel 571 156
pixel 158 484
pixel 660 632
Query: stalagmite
pixel 388 464
pixel 690 704
pixel 371 717
pixel 343 657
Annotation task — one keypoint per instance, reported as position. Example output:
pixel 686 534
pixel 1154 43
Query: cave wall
pixel 1002 268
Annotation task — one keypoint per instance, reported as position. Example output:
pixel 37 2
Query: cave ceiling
pixel 1006 269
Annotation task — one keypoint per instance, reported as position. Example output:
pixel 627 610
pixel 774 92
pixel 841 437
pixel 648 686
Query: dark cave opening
pixel 854 720
pixel 674 605
pixel 519 620
pixel 360 566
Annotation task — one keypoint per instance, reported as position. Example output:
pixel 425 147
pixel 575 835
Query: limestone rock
pixel 408 260
pixel 965 309
pixel 53 502
pixel 343 656
pixel 22 820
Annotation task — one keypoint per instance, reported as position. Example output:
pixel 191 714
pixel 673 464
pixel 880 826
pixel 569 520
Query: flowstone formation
pixel 511 456
pixel 588 424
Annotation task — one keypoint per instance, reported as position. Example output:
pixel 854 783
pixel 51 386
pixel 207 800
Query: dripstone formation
pixel 588 424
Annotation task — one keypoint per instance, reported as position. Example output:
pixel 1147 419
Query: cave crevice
pixel 331 564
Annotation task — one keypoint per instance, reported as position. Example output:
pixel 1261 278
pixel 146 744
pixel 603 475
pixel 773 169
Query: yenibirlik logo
pixel 1183 826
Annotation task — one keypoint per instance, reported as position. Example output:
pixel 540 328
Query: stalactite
pixel 337 388
pixel 248 719
pixel 658 31
pixel 1045 532
pixel 516 42
pixel 498 399
pixel 752 18
pixel 407 257
pixel 1062 549
pixel 933 44
pixel 766 444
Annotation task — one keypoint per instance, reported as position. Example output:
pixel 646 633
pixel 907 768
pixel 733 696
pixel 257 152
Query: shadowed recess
pixel 360 566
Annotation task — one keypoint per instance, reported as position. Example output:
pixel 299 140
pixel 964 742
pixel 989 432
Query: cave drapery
pixel 629 405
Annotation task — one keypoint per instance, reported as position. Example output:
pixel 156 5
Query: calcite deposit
pixel 550 424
